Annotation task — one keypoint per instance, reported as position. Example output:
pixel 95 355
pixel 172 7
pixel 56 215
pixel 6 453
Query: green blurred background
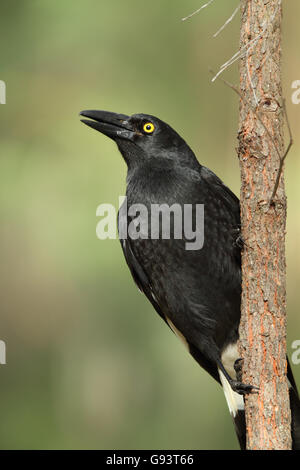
pixel 89 363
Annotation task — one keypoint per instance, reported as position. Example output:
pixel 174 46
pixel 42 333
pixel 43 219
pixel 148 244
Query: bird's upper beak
pixel 113 125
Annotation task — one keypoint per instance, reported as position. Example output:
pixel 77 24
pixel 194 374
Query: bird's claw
pixel 239 242
pixel 241 388
pixel 237 385
pixel 238 367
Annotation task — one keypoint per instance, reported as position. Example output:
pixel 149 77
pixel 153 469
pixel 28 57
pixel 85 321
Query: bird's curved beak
pixel 112 125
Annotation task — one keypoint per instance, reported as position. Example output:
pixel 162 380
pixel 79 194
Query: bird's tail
pixel 295 408
pixel 235 404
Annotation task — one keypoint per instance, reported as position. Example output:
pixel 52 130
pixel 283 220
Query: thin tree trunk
pixel 263 321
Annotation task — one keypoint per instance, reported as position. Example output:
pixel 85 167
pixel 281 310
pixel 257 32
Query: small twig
pixel 256 113
pixel 282 159
pixel 250 80
pixel 228 21
pixel 245 49
pixel 254 110
pixel 197 11
pixel 238 55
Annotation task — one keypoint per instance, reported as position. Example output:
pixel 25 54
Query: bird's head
pixel 140 136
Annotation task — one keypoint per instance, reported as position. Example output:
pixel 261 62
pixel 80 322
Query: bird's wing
pixel 228 197
pixel 231 204
pixel 138 273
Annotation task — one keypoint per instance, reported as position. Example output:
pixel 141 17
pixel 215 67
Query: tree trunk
pixel 263 320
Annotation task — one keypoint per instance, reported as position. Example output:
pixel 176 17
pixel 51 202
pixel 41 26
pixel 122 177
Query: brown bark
pixel 263 321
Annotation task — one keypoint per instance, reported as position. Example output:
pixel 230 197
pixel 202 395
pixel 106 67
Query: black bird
pixel 197 292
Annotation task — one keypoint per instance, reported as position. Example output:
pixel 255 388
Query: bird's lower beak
pixel 113 125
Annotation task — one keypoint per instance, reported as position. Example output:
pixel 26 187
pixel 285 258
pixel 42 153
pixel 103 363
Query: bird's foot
pixel 238 367
pixel 241 388
pixel 237 385
pixel 239 242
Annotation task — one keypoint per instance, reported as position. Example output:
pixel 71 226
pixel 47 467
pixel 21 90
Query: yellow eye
pixel 148 128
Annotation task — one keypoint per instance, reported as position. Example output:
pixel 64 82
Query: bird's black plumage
pixel 196 292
